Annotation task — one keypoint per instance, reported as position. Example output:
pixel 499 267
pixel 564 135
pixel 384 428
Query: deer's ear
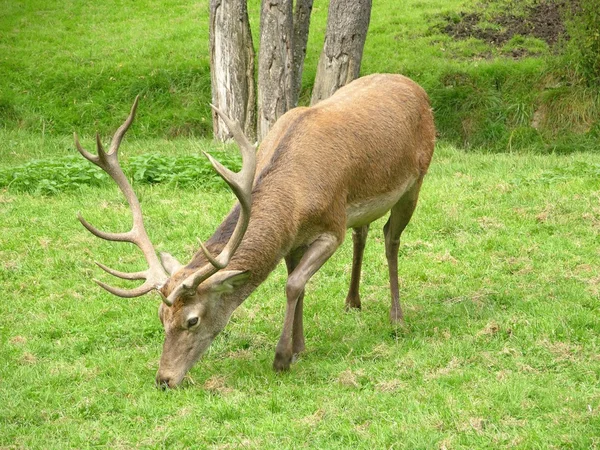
pixel 226 281
pixel 169 262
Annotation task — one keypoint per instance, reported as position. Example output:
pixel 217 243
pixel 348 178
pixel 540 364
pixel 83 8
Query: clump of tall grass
pixel 584 47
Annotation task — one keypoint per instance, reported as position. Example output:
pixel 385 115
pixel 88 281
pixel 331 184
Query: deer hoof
pixel 297 349
pixel 352 303
pixel 282 362
pixel 396 316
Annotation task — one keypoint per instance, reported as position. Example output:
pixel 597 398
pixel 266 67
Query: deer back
pixel 372 138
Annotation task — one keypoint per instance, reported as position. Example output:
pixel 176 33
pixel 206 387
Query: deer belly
pixel 366 211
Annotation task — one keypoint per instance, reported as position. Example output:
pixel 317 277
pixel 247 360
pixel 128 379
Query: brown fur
pixel 317 160
pixel 372 137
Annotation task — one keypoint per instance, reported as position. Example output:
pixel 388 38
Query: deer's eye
pixel 191 322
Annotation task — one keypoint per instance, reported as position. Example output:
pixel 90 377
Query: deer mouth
pixel 169 374
pixel 168 381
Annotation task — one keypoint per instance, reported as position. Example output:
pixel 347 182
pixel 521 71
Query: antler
pixel 241 184
pixel 155 275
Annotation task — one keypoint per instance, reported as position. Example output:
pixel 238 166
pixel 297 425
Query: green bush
pixel 52 176
pixel 585 39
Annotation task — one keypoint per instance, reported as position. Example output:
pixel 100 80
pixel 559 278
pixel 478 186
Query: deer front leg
pixel 291 261
pixel 312 260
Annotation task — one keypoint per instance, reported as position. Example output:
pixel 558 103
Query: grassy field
pixel 499 279
pixel 499 268
pixel 69 66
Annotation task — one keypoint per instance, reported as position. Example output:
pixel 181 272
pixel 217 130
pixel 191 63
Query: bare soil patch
pixel 543 20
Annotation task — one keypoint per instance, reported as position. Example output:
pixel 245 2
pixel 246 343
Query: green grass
pixel 499 281
pixel 499 266
pixel 69 66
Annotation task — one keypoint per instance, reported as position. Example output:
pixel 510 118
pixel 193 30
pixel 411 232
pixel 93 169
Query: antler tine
pixel 127 293
pixel 236 131
pixel 155 275
pixel 210 257
pixel 124 275
pixel 87 155
pixel 241 184
pixel 118 136
pixel 229 176
pixel 119 237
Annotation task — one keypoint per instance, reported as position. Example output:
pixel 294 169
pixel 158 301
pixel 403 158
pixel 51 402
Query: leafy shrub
pixel 585 39
pixel 193 170
pixel 53 176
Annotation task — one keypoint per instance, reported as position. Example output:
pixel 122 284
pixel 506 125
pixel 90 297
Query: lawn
pixel 499 268
pixel 499 281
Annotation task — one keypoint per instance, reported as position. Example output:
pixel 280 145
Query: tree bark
pixel 347 25
pixel 275 63
pixel 301 26
pixel 232 66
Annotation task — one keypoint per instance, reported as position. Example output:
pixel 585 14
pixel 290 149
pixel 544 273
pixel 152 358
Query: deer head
pixel 191 312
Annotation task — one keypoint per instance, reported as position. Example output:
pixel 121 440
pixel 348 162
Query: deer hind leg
pixel 312 260
pixel 399 217
pixel 359 239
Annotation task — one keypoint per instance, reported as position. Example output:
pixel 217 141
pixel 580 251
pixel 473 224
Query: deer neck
pixel 266 241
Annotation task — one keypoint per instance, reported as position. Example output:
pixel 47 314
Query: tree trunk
pixel 347 25
pixel 232 66
pixel 301 26
pixel 275 63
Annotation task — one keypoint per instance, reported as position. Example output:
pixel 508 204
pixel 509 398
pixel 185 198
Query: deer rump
pixel 340 164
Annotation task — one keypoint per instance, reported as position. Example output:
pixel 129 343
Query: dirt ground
pixel 544 20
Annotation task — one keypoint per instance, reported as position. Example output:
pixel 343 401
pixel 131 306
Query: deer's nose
pixel 162 381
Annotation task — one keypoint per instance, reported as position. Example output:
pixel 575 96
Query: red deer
pixel 340 164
